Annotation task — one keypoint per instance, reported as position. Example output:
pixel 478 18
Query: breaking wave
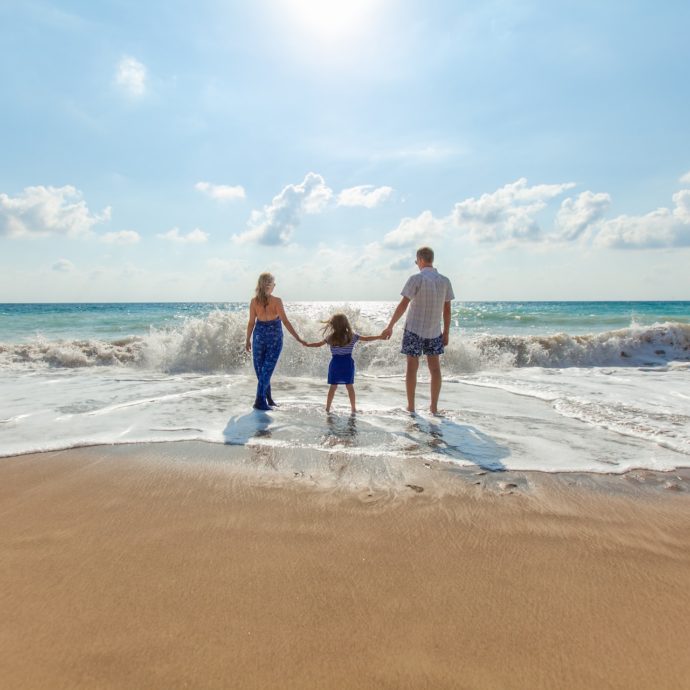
pixel 215 343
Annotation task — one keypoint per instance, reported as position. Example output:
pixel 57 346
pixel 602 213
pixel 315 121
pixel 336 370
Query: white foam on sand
pixel 551 420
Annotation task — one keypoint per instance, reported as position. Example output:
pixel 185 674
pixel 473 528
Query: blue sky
pixel 172 151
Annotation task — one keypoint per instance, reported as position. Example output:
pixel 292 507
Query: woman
pixel 266 313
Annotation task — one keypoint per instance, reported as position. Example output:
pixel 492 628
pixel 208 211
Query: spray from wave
pixel 215 344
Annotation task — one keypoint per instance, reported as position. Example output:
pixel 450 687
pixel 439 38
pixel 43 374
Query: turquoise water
pixel 549 386
pixel 24 322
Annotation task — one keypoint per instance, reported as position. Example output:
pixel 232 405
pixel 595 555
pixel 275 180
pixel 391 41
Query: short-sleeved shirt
pixel 427 291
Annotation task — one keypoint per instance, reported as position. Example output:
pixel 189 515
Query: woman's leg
pixel 273 345
pixel 258 357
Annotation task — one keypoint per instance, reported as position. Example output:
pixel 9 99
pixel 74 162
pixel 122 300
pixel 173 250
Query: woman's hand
pixel 248 346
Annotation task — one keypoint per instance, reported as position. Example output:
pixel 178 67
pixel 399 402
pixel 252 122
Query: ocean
pixel 548 386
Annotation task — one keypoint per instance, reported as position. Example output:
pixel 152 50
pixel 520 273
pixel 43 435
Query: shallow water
pixel 606 401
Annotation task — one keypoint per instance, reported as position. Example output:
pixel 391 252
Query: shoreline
pixel 232 457
pixel 189 564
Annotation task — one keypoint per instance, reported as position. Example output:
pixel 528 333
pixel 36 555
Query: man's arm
pixel 399 311
pixel 446 322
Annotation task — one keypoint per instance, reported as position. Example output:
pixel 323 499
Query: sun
pixel 331 21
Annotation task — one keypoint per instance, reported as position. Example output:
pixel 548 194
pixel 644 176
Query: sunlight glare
pixel 331 20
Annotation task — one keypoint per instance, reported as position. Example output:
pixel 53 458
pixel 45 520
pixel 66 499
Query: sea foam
pixel 215 344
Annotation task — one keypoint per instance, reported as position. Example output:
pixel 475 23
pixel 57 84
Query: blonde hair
pixel 265 281
pixel 337 331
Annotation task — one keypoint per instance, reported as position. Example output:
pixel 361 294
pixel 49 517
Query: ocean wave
pixel 654 345
pixel 215 343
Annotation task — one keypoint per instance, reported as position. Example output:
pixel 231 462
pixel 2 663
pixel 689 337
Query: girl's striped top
pixel 345 349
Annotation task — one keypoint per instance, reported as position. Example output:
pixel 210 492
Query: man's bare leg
pixel 411 380
pixel 434 362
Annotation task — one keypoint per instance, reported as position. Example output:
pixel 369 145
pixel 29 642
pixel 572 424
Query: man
pixel 428 294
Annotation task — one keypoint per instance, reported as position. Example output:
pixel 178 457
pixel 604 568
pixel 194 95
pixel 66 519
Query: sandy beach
pixel 193 566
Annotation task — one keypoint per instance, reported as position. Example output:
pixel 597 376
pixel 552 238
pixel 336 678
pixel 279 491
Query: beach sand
pixel 192 566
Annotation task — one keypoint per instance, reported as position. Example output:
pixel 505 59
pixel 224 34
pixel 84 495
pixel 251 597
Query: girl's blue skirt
pixel 341 369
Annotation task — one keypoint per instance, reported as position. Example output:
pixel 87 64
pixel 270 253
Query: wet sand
pixel 174 566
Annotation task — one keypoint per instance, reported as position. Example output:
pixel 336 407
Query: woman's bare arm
pixel 320 343
pixel 250 325
pixel 286 321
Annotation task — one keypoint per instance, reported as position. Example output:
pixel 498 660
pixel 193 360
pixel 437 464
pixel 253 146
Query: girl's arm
pixel 319 344
pixel 286 321
pixel 250 325
pixel 368 338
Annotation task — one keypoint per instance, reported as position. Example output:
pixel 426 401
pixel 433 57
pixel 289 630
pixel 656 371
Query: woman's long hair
pixel 337 331
pixel 265 281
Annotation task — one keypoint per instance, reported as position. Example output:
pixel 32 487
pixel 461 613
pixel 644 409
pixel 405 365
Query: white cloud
pixel 577 215
pixel 364 195
pixel 404 262
pixel 225 264
pixel 415 231
pixel 506 214
pixel 276 223
pixel 63 266
pixel 121 237
pixel 367 258
pixel 43 211
pixel 658 229
pixel 220 192
pixel 196 236
pixel 131 76
pixel 685 179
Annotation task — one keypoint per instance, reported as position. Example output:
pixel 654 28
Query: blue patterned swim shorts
pixel 414 345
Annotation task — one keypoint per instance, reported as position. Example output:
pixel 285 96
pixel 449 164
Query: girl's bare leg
pixel 351 395
pixel 329 398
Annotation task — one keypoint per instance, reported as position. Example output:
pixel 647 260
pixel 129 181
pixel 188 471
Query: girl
pixel 266 313
pixel 338 335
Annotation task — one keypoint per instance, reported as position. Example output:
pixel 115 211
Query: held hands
pixel 386 333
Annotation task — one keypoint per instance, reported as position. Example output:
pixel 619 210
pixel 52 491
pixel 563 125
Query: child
pixel 341 339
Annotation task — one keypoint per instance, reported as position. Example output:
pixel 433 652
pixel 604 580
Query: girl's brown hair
pixel 262 285
pixel 337 331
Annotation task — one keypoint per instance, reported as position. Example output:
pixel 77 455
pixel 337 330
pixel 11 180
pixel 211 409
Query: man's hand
pixel 446 338
pixel 387 332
